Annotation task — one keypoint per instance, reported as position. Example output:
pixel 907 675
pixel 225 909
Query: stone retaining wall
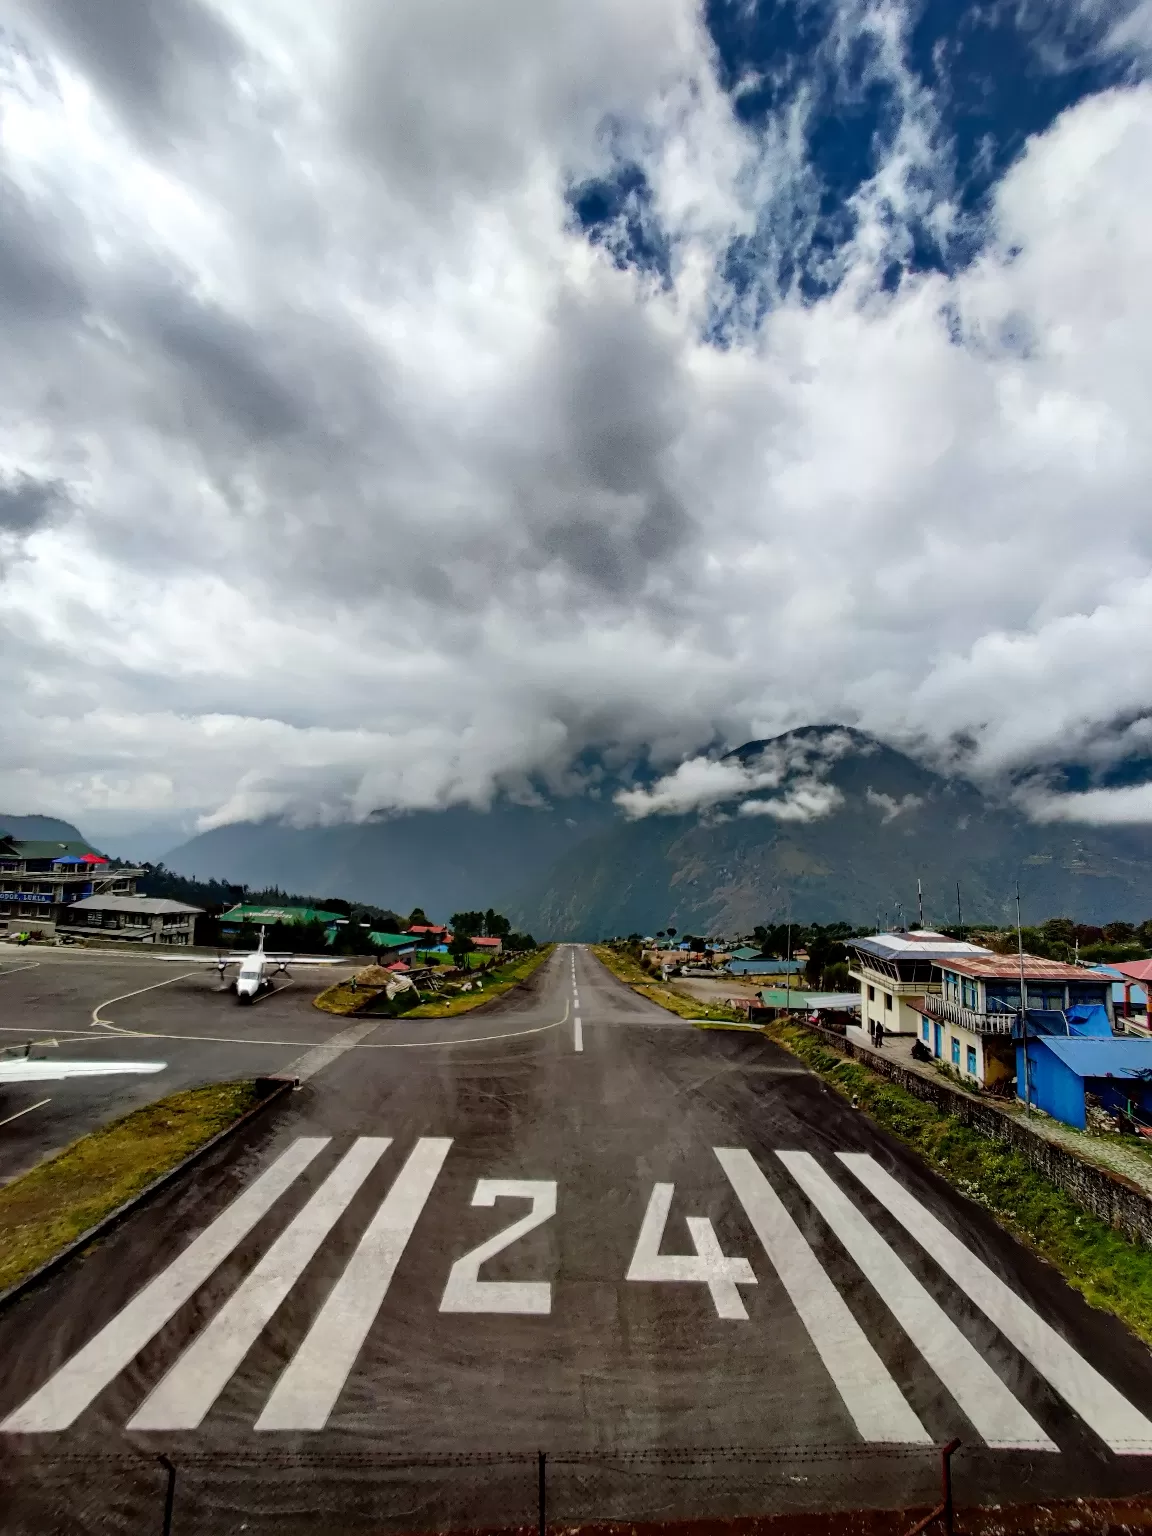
pixel 1112 1197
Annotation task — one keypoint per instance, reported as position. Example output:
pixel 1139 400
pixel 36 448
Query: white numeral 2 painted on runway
pixel 707 1266
pixel 465 1291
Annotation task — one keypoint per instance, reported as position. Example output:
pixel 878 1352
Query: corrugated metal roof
pixel 1006 967
pixel 251 914
pixel 39 849
pixel 1135 970
pixel 153 906
pixel 920 944
pixel 1099 1056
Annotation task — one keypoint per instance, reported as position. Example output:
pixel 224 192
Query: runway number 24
pixel 466 1292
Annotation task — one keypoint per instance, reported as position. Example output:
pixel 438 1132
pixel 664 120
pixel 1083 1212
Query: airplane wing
pixel 26 1070
pixel 311 959
pixel 216 960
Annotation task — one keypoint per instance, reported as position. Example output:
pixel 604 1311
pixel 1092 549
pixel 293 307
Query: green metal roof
pixel 391 940
pixel 257 915
pixel 49 850
pixel 780 997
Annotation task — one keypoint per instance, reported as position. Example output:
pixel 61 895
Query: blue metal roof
pixel 1098 1057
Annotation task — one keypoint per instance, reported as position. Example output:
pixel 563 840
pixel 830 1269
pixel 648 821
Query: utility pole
pixel 920 900
pixel 1023 1004
pixel 959 918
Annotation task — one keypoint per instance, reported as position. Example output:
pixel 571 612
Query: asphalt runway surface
pixel 168 1012
pixel 670 1258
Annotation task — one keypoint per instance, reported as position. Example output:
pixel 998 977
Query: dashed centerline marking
pixel 579 1034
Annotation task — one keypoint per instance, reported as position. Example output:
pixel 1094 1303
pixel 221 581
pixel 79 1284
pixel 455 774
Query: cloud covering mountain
pixel 401 401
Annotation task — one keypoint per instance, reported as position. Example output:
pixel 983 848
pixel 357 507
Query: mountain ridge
pixel 577 867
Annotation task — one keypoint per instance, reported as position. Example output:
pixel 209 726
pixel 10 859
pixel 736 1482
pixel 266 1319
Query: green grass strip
pixel 1110 1270
pixel 48 1207
pixel 625 969
pixel 500 979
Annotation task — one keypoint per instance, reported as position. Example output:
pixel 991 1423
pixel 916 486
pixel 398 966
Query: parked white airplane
pixel 257 967
pixel 18 1066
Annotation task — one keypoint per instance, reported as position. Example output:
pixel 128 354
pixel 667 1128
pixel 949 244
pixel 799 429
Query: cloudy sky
pixel 400 399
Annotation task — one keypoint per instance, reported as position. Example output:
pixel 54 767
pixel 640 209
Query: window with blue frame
pixel 955 1051
pixel 1002 997
pixel 970 993
pixel 1046 995
pixel 924 1029
pixel 1083 995
pixel 972 1061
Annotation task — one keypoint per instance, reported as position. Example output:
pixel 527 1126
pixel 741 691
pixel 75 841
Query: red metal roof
pixel 1135 970
pixel 1035 968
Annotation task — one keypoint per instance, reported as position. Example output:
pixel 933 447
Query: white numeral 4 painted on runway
pixel 466 1292
pixel 707 1266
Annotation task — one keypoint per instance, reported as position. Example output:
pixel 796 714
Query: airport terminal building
pixel 41 881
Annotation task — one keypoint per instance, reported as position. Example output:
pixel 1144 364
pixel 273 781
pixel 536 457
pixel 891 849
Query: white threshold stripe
pixel 186 1393
pixel 873 1400
pixel 1105 1410
pixel 308 1389
pixel 579 1034
pixel 1003 1422
pixel 73 1387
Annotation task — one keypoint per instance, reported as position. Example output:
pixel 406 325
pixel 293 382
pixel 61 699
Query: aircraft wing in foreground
pixel 24 1068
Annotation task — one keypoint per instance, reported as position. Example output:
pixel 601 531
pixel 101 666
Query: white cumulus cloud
pixel 339 470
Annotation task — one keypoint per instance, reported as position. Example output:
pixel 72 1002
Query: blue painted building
pixel 1064 1069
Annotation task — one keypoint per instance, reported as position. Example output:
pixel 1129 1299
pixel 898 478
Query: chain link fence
pixel 312 1494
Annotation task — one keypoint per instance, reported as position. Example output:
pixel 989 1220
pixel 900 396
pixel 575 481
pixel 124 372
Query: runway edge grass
pixel 1110 1271
pixel 45 1209
pixel 625 969
pixel 341 999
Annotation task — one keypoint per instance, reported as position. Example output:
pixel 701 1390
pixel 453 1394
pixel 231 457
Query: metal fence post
pixel 541 1463
pixel 170 1495
pixel 946 1453
pixel 943 1510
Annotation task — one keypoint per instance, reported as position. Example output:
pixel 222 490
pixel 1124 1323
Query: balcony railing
pixel 948 1012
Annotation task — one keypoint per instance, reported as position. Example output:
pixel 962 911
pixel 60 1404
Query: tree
pixel 417 919
pixel 461 946
pixel 1120 933
pixel 671 933
pixel 468 923
pixel 496 926
pixel 1059 930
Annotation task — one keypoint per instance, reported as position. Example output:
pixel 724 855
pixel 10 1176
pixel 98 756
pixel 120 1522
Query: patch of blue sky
pixel 616 212
pixel 974 83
